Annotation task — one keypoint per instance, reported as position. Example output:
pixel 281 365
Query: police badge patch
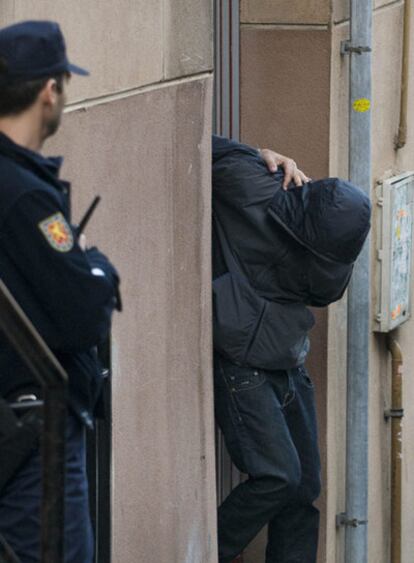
pixel 57 232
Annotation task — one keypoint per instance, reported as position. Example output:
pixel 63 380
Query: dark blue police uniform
pixel 68 294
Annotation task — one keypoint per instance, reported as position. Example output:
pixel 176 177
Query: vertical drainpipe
pixel 355 519
pixel 396 414
pixel 401 139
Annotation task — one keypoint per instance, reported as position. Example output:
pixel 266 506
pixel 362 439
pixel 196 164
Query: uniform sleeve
pixel 68 294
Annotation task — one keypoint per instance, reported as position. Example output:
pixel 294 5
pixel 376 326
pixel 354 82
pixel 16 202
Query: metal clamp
pixel 25 405
pixel 24 402
pixel 347 48
pixel 393 413
pixel 343 520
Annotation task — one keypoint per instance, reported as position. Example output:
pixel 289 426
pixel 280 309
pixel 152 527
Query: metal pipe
pixel 24 338
pixel 396 414
pixel 401 138
pixel 355 520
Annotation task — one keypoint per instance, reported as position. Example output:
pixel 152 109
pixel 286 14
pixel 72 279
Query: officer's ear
pixel 49 94
pixel 54 88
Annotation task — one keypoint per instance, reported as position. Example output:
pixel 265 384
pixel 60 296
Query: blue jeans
pixel 269 424
pixel 21 499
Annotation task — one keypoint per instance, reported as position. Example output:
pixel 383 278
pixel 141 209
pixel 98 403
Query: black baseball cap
pixel 34 49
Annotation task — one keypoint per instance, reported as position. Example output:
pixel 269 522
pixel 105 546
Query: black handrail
pixel 27 342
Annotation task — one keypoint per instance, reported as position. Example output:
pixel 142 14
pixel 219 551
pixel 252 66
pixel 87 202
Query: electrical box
pixel 395 201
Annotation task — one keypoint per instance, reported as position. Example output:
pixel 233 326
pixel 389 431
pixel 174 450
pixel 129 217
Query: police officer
pixel 67 290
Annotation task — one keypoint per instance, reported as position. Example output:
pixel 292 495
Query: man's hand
pixel 292 173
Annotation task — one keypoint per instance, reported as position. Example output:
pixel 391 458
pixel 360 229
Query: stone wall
pixel 137 132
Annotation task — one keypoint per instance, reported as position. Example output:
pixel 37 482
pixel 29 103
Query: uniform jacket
pixel 293 247
pixel 67 293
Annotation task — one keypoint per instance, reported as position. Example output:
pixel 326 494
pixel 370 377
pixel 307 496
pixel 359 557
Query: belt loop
pixel 291 384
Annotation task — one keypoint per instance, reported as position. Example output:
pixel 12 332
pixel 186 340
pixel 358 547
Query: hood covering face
pixel 298 245
pixel 330 217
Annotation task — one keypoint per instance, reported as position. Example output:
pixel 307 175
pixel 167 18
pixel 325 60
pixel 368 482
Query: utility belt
pixel 20 430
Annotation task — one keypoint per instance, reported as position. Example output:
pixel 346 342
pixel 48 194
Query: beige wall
pixel 285 11
pixel 295 98
pixel 405 161
pixel 138 133
pixel 127 43
pixel 156 224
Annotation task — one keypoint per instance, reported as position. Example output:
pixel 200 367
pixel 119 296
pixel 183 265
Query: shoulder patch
pixel 57 232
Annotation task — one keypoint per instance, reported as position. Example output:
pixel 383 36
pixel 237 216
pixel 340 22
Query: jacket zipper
pixel 255 331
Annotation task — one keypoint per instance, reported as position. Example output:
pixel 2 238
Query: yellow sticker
pixel 398 232
pixel 362 105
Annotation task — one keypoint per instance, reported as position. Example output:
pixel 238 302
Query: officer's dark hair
pixel 16 97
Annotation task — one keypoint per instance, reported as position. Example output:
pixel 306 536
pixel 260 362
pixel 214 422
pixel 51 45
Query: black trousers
pixel 20 504
pixel 269 424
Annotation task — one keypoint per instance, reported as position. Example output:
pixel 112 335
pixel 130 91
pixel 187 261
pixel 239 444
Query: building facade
pixel 294 96
pixel 137 132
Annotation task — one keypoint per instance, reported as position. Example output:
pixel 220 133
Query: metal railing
pixel 98 458
pixel 27 342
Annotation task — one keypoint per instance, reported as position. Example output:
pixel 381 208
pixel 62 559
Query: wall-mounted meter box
pixel 395 207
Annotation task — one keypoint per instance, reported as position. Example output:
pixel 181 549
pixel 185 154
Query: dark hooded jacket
pixel 293 248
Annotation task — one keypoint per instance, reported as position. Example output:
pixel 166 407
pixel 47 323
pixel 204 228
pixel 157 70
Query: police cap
pixel 34 49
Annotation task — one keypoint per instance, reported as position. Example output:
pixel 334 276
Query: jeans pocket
pixel 289 397
pixel 289 394
pixel 241 379
pixel 304 377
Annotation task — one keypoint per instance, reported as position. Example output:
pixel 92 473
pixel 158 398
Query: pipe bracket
pixel 347 48
pixel 343 520
pixel 393 413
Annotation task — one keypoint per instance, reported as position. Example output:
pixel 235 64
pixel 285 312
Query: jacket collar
pixel 39 164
